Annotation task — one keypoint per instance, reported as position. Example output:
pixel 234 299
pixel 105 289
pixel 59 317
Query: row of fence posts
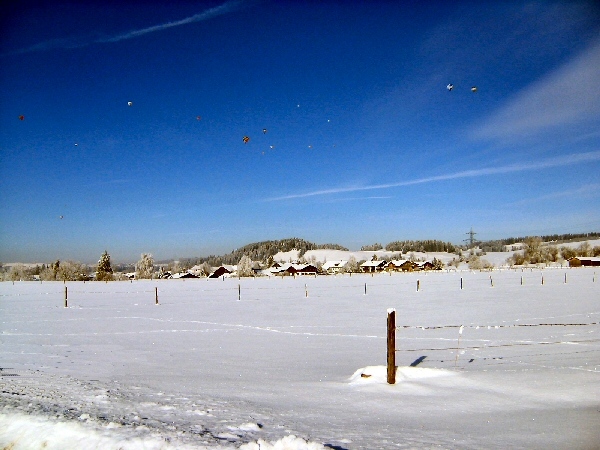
pixel 365 288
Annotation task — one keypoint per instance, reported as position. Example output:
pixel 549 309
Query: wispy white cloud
pixel 569 95
pixel 210 13
pixel 583 191
pixel 205 15
pixel 565 160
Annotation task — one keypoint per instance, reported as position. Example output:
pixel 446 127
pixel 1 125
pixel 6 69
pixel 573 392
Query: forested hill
pixel 262 251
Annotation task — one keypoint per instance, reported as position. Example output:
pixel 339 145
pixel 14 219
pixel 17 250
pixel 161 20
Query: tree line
pixel 538 249
pixel 498 244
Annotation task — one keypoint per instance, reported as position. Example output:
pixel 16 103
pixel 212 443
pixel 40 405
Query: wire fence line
pixel 515 344
pixel 477 327
pixel 495 343
pixel 425 280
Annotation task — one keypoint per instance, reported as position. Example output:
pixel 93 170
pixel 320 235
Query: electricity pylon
pixel 471 239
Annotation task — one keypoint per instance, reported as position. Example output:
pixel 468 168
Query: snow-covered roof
pixel 293 266
pixel 334 264
pixel 399 262
pixel 373 263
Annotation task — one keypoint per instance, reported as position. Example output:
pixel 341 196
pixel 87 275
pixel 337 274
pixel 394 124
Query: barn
pixel 220 271
pixel 585 261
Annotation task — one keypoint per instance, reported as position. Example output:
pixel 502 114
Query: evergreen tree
pixel 104 272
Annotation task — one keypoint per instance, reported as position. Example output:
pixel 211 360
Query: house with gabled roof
pixel 293 268
pixel 373 266
pixel 220 271
pixel 334 266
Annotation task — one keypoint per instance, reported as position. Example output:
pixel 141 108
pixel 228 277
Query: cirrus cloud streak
pixel 565 160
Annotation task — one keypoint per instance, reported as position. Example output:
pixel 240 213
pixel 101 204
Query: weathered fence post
pixel 156 296
pixel 365 288
pixel 391 346
pixel 66 297
pixel 491 282
pixel 305 290
pixel 542 278
pixel 418 285
pixel 521 280
pixel 565 277
pixel 461 283
pixel 239 292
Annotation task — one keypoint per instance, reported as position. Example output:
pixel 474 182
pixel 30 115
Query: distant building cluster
pixel 297 268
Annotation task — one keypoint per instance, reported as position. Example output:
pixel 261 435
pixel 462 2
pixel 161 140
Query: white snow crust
pixel 278 369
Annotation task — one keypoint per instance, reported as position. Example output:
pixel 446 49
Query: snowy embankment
pixel 299 363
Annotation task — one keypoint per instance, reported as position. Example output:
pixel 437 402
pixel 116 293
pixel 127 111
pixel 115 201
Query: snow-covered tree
pixel 205 269
pixel 104 271
pixel 71 271
pixel 244 268
pixel 18 272
pixel 144 268
pixel 352 265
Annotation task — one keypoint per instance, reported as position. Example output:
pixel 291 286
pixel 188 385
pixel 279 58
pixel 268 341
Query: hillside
pixel 262 251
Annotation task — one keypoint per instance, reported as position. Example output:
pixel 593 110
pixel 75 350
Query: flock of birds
pixel 246 139
pixel 451 86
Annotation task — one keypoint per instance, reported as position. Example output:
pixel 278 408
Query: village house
pixel 220 271
pixel 180 275
pixel 334 266
pixel 425 265
pixel 373 266
pixel 293 269
pixel 401 265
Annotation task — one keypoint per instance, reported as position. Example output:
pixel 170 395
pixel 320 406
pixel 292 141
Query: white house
pixel 373 266
pixel 334 266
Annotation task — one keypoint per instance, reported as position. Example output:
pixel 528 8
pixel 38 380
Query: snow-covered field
pixel 299 363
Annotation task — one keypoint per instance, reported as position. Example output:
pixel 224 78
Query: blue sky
pixel 364 143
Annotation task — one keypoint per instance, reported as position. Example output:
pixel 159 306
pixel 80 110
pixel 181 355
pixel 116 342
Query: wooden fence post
pixel 461 283
pixel 156 296
pixel 391 346
pixel 305 290
pixel 66 297
pixel 418 285
pixel 365 288
pixel 239 292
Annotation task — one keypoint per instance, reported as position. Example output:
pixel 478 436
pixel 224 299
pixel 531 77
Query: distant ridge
pixel 262 251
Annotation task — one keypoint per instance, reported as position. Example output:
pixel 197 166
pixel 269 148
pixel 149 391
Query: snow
pixel 282 370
